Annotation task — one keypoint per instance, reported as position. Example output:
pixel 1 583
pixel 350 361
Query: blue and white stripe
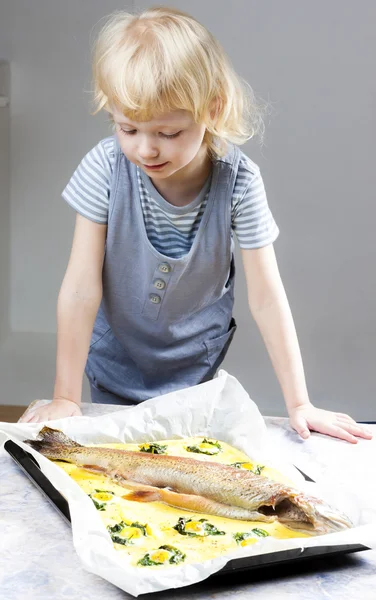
pixel 172 229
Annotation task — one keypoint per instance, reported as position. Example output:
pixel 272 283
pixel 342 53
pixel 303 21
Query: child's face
pixel 172 140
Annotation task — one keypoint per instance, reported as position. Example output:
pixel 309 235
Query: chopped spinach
pixel 256 471
pixel 114 529
pixel 176 557
pixel 208 528
pixel 98 505
pixel 146 562
pixel 260 532
pixel 240 537
pixel 208 451
pixel 119 526
pixel 153 448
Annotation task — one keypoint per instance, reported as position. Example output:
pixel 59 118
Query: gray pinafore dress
pixel 164 323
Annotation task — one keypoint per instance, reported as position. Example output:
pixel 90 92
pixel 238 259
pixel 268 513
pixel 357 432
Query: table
pixel 39 562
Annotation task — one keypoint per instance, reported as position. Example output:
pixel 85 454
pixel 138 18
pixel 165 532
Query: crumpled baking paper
pixel 219 409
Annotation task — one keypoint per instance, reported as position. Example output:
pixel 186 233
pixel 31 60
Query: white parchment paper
pixel 219 409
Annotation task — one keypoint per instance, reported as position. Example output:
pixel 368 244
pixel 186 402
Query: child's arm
pixel 78 303
pixel 270 308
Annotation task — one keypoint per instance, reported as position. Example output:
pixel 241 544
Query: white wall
pixel 315 62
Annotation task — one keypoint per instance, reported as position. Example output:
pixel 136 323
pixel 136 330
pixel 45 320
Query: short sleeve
pixel 89 187
pixel 252 219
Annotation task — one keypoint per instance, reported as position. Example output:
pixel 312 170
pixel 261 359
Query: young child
pixel 146 302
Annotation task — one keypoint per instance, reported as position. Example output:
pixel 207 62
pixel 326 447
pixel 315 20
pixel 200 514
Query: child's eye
pixel 133 131
pixel 173 135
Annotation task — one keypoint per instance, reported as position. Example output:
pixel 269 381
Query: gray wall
pixel 315 63
pixel 5 51
pixel 51 130
pixel 5 29
pixel 4 194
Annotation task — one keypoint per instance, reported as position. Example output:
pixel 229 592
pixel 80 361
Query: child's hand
pixel 57 409
pixel 306 417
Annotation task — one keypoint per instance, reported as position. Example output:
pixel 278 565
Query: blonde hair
pixel 163 60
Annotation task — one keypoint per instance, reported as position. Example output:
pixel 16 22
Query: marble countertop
pixel 39 562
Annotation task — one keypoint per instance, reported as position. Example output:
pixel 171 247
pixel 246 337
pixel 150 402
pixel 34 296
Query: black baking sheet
pixel 31 468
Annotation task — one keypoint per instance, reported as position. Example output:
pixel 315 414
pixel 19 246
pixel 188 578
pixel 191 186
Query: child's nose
pixel 147 149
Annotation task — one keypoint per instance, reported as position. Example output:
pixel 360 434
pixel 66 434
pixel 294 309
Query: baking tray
pixel 30 467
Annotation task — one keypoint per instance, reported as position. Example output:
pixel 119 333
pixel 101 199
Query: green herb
pixel 98 505
pixel 208 451
pixel 153 448
pixel 119 526
pixel 240 537
pixel 260 532
pixel 120 540
pixel 176 557
pixel 114 529
pixel 208 528
pixel 146 562
pixel 256 471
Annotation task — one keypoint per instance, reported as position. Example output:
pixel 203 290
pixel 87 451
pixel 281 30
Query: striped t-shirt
pixel 171 229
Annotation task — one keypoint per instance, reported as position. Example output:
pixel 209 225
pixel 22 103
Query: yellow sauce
pixel 161 518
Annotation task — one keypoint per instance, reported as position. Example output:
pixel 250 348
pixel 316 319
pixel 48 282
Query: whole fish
pixel 205 487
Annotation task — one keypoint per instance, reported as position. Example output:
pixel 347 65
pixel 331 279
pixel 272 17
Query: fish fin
pixel 49 437
pixel 211 507
pixel 94 468
pixel 140 492
pixel 191 502
pixel 143 496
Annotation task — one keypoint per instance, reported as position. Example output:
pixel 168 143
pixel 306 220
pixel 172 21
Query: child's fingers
pixel 337 425
pixel 301 427
pixel 337 431
pixel 365 433
pixel 350 425
pixel 344 418
pixel 358 430
pixel 26 418
pixel 35 416
pixel 34 419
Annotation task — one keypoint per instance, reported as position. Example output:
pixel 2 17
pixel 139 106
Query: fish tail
pixel 51 439
pixel 55 436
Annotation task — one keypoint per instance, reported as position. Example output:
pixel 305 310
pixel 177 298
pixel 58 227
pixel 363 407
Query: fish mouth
pixel 320 519
pixel 287 513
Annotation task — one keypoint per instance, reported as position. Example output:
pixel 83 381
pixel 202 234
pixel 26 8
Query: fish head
pixel 311 515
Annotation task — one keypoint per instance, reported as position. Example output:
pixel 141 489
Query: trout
pixel 205 487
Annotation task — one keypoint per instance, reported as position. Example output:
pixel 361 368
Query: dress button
pixel 159 284
pixel 155 299
pixel 164 268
